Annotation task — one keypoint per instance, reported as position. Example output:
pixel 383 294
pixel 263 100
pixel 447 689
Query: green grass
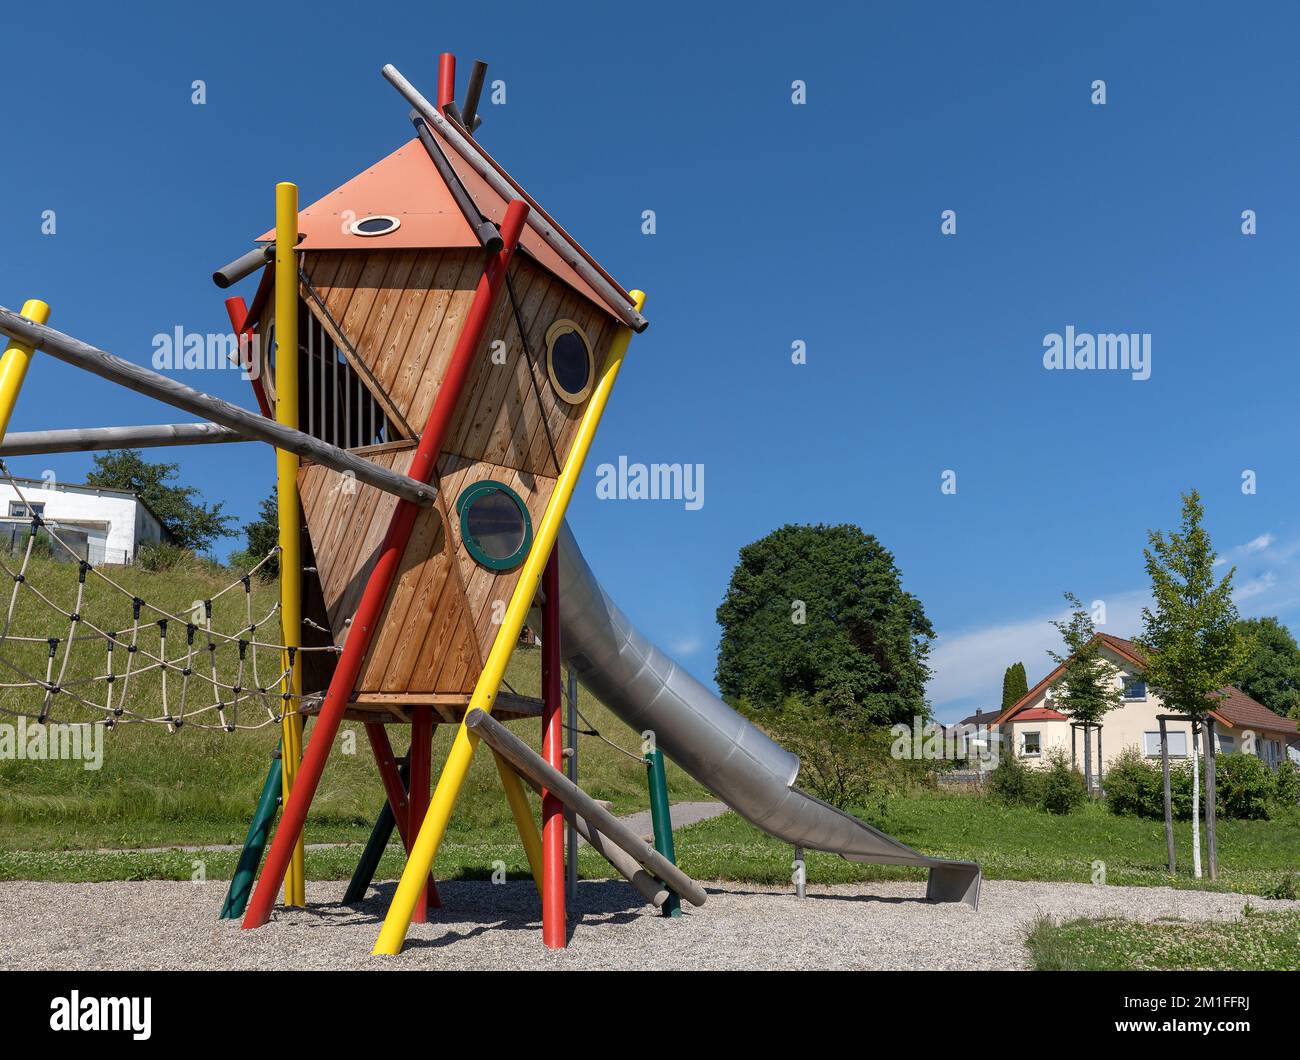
pixel 1256 942
pixel 1011 843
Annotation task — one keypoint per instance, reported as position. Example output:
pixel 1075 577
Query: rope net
pixel 133 661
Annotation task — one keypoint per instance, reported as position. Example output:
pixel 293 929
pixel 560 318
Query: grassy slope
pixel 1256 942
pixel 199 787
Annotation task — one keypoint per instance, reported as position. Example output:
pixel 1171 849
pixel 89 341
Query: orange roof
pixel 406 185
pixel 1041 714
pixel 1242 712
pixel 1118 645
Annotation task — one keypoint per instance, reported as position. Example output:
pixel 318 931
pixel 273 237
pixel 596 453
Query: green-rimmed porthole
pixel 569 361
pixel 494 524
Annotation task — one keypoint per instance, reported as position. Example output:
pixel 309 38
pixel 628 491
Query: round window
pixel 375 225
pixel 569 361
pixel 494 525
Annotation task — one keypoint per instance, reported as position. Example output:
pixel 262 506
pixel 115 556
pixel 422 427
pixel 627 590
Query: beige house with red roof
pixel 1033 727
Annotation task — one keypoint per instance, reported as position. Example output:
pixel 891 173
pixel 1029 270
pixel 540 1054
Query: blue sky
pixel 775 223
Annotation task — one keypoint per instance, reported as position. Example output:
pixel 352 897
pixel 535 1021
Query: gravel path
pixel 682 813
pixel 170 925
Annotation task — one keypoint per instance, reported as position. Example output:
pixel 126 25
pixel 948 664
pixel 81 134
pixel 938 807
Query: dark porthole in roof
pixel 375 225
pixel 569 361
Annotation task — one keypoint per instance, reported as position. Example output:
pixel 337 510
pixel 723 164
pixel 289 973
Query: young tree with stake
pixel 1193 646
pixel 1087 690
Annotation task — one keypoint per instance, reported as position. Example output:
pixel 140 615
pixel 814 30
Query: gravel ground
pixel 170 925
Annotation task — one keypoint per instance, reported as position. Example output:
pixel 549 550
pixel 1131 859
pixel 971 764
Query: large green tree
pixel 820 613
pixel 1271 672
pixel 1192 640
pixel 1015 685
pixel 191 523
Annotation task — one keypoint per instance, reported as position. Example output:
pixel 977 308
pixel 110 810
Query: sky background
pixel 775 223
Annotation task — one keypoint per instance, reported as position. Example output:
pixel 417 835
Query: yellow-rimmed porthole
pixel 569 361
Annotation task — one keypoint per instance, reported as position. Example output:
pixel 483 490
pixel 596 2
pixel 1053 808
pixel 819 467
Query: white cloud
pixel 1258 544
pixel 685 646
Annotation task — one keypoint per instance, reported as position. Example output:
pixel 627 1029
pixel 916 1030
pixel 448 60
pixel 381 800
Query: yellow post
pixel 452 778
pixel 13 365
pixel 286 468
pixel 523 815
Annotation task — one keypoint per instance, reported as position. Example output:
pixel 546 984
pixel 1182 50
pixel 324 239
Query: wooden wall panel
pixel 346 520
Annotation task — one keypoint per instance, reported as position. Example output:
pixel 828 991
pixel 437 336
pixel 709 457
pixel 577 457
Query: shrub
pixel 1286 783
pixel 1063 788
pixel 834 753
pixel 1245 786
pixel 1134 787
pixel 1015 783
pixel 242 561
pixel 164 555
pixel 43 545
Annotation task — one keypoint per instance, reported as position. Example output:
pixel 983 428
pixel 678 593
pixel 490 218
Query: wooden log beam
pixel 530 764
pixel 93 439
pixel 651 889
pixel 144 381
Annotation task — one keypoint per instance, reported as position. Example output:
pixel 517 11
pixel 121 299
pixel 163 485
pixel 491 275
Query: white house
pixel 101 525
pixel 1034 727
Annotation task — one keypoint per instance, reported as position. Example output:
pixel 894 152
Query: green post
pixel 254 843
pixel 662 819
pixel 375 846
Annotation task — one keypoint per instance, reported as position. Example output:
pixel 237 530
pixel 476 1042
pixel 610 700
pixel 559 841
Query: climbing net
pixel 192 673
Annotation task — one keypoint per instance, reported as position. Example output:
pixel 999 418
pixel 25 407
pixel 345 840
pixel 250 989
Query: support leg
pixel 421 760
pixel 554 923
pixel 364 874
pixel 250 857
pixel 523 815
pixel 395 814
pixel 661 816
pixel 571 865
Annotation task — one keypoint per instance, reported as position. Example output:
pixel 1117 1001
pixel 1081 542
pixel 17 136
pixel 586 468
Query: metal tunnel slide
pixel 718 747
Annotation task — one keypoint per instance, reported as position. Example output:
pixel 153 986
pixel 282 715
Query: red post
pixel 371 608
pixel 237 310
pixel 446 79
pixel 554 927
pixel 395 792
pixel 421 775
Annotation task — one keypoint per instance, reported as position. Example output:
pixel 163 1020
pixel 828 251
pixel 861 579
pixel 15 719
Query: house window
pixel 1227 744
pixel 569 361
pixel 1135 688
pixel 19 510
pixel 1177 743
pixel 1031 744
